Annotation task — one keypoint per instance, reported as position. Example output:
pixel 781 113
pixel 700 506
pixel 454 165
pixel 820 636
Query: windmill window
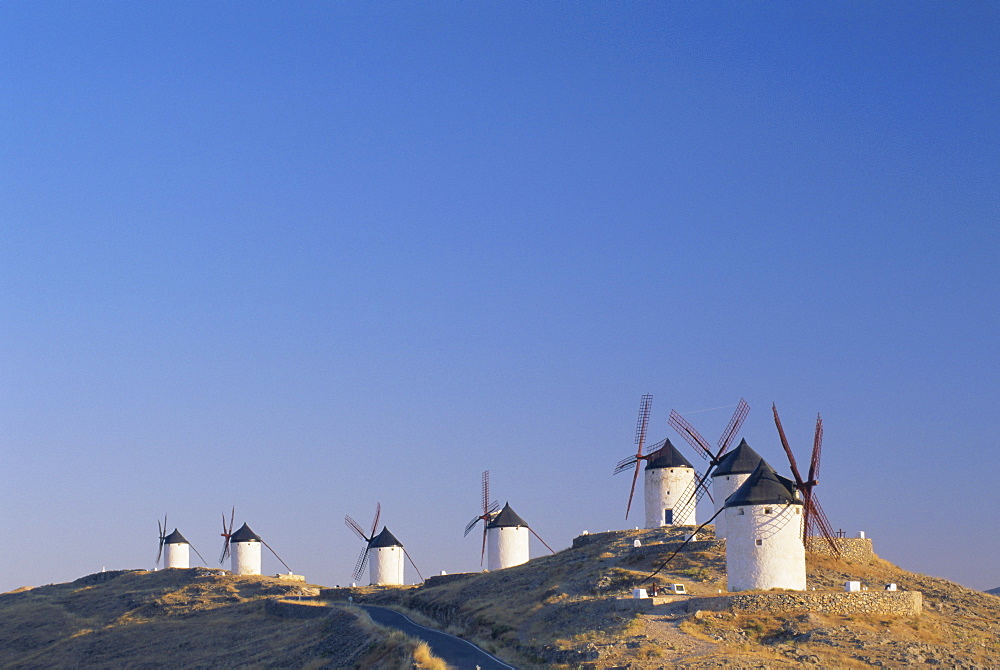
pixel 768 510
pixel 759 543
pixel 798 511
pixel 741 512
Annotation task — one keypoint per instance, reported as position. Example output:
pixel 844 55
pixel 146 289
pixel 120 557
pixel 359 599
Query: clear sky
pixel 302 257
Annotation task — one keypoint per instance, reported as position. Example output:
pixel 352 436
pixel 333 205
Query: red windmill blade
pixel 163 536
pixel 226 534
pixel 814 521
pixel 489 509
pixel 359 567
pixel 645 405
pixel 700 445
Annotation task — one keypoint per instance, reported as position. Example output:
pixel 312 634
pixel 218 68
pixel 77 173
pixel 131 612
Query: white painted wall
pixel 663 488
pixel 506 547
pixel 246 557
pixel 779 561
pixel 724 486
pixel 177 555
pixel 385 565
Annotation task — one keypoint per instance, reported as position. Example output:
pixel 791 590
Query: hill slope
pixel 568 609
pixel 184 618
pixel 565 609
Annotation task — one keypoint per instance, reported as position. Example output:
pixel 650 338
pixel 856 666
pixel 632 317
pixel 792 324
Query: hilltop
pixel 570 609
pixel 185 618
pixel 567 609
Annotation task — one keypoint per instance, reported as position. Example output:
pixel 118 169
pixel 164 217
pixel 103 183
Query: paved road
pixel 452 650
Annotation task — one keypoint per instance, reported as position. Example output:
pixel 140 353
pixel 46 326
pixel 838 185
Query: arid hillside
pixel 568 610
pixel 187 618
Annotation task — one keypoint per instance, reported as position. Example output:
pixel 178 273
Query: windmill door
pixel 668 517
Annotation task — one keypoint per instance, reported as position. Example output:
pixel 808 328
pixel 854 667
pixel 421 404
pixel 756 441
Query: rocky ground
pixel 188 618
pixel 567 610
pixel 564 610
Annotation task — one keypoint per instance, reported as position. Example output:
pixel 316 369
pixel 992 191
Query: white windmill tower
pixel 174 548
pixel 667 479
pixel 244 548
pixel 387 564
pixel 764 523
pixel 504 532
pixel 733 469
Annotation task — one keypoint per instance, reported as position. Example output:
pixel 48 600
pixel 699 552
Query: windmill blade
pixel 494 506
pixel 232 519
pixel 541 540
pixel 688 432
pixel 822 524
pixel 163 536
pixel 276 556
pixel 784 445
pixel 203 561
pixel 683 544
pixel 486 490
pixel 625 464
pixel 356 527
pixel 407 554
pixel 482 557
pixel 692 495
pixel 471 525
pixel 631 492
pixel 739 415
pixel 645 405
pixel 817 448
pixel 359 567
pixel 807 512
pixel 378 514
pixel 225 552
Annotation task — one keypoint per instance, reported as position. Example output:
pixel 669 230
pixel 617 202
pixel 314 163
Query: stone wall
pixel 895 603
pixel 881 603
pixel 851 548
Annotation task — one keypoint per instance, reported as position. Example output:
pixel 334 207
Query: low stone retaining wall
pixel 438 580
pixel 883 603
pixel 851 548
pixel 895 603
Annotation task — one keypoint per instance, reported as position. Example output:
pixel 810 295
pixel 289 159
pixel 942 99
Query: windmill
pixel 387 568
pixel 689 499
pixel 815 521
pixel 246 553
pixel 645 404
pixel 505 532
pixel 489 509
pixel 174 548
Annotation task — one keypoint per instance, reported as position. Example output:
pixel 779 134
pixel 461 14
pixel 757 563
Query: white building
pixel 669 478
pixel 506 540
pixel 734 469
pixel 176 551
pixel 244 547
pixel 764 547
pixel 385 559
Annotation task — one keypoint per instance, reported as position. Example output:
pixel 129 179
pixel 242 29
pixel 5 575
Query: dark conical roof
pixel 507 518
pixel 175 538
pixel 764 487
pixel 667 456
pixel 244 534
pixel 740 461
pixel 384 539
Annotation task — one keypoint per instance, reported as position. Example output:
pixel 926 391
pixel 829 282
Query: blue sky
pixel 303 258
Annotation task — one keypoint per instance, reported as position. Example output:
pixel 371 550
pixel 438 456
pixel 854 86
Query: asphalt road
pixel 452 650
